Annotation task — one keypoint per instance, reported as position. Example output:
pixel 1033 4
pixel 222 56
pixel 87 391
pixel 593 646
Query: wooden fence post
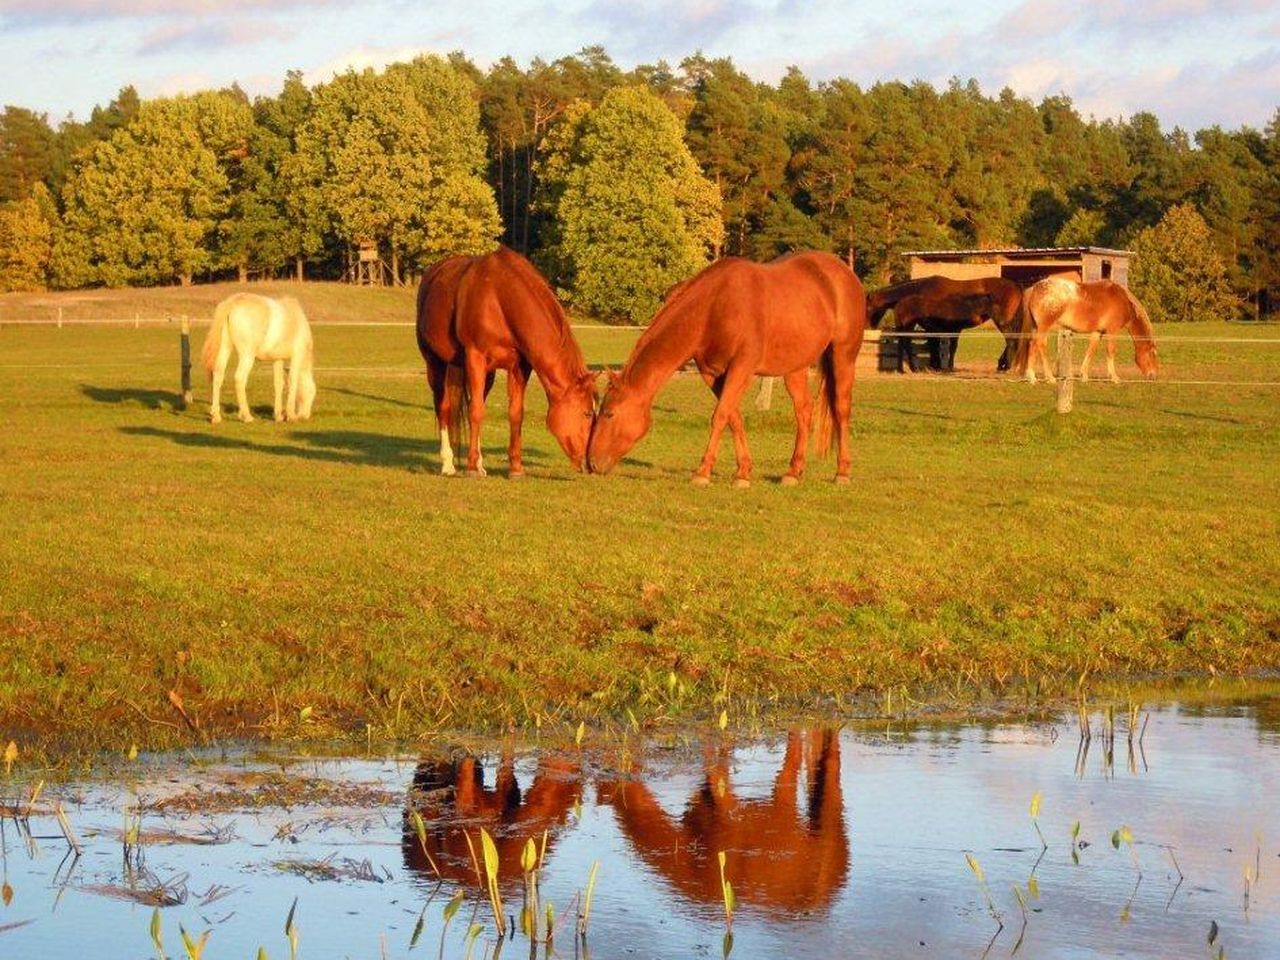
pixel 185 347
pixel 1066 383
pixel 59 317
pixel 764 399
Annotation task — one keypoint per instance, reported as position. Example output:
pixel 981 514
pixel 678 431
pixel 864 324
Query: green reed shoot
pixel 976 867
pixel 585 918
pixel 156 936
pixel 420 829
pixel 529 912
pixel 726 891
pixel 291 930
pixel 473 934
pixel 194 946
pixel 10 755
pixel 491 881
pixel 1035 818
pixel 262 954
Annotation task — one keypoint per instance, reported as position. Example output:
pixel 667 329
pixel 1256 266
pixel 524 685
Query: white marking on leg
pixel 447 467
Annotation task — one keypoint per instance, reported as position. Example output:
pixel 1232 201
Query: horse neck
pixel 664 348
pixel 549 346
pixel 1140 328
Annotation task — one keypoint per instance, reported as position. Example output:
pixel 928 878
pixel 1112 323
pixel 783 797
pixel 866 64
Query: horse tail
pixel 213 339
pixel 824 412
pixel 457 397
pixel 1025 323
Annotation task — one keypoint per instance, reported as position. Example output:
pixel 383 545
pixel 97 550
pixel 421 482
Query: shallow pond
pixel 849 843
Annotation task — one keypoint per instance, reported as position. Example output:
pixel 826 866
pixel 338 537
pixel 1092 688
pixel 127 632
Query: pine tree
pixel 26 152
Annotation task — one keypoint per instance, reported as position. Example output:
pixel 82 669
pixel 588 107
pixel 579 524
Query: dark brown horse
pixel 477 315
pixel 451 797
pixel 782 855
pixel 737 319
pixel 1101 308
pixel 943 305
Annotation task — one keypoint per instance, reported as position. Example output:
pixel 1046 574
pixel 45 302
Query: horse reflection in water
pixel 453 801
pixel 787 853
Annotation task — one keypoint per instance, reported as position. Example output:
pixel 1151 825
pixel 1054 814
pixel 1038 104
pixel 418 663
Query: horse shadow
pixel 143 396
pixel 325 446
pixel 379 398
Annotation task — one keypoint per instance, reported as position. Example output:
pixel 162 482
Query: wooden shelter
pixel 1023 265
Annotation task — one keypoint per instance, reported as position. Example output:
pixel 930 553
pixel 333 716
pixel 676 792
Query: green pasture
pixel 283 580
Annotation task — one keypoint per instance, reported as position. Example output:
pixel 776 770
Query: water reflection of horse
pixel 943 305
pixel 1102 308
pixel 781 856
pixel 478 315
pixel 451 797
pixel 734 320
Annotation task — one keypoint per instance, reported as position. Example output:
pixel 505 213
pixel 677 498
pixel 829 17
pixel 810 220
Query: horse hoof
pixel 790 480
pixel 515 475
pixel 700 481
pixel 842 480
pixel 476 473
pixel 246 419
pixel 449 471
pixel 741 483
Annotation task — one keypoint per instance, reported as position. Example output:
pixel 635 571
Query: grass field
pixel 312 579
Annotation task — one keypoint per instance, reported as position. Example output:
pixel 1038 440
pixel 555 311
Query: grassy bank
pixel 322 577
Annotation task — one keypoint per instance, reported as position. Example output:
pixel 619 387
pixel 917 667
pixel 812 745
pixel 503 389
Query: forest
pixel 620 183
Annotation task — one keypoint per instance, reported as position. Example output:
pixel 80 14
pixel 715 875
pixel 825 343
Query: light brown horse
pixel 734 320
pixel 780 856
pixel 451 797
pixel 1102 308
pixel 478 315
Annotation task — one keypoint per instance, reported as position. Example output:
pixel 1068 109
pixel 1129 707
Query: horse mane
pixel 1140 319
pixel 537 287
pixel 676 295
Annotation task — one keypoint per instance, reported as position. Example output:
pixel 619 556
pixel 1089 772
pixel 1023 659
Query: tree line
pixel 619 184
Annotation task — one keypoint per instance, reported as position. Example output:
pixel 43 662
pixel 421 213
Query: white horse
pixel 262 328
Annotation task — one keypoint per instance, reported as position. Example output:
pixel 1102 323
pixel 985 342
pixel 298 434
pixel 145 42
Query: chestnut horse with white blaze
pixel 736 320
pixel 261 328
pixel 478 315
pixel 1101 308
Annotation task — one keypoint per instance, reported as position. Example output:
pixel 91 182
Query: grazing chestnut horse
pixel 477 315
pixel 782 856
pixel 1101 308
pixel 452 799
pixel 943 305
pixel 261 328
pixel 737 319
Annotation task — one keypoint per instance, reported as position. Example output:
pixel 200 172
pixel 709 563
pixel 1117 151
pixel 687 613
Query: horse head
pixel 1147 358
pixel 623 418
pixel 570 416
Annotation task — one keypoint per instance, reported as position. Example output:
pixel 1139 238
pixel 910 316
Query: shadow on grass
pixel 424 405
pixel 143 396
pixel 329 446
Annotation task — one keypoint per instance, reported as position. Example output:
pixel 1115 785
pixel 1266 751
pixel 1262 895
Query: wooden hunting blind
pixel 1023 265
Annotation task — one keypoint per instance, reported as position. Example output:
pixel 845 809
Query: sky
pixel 1194 63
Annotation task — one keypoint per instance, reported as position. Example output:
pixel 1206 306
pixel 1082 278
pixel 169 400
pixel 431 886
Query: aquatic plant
pixel 585 917
pixel 420 829
pixel 157 937
pixel 491 881
pixel 726 891
pixel 1035 818
pixel 194 946
pixel 291 930
pixel 981 877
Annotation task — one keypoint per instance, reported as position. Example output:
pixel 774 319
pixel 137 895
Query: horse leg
pixel 219 372
pixel 844 362
pixel 517 381
pixel 277 373
pixel 244 364
pixel 733 384
pixel 1111 358
pixel 476 375
pixel 295 381
pixel 1088 355
pixel 436 370
pixel 797 382
pixel 1042 337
